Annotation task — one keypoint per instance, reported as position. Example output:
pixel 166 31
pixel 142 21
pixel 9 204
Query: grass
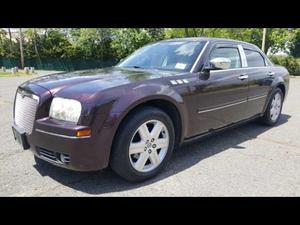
pixel 9 74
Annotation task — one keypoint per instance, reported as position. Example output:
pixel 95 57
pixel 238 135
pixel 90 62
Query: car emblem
pixel 22 93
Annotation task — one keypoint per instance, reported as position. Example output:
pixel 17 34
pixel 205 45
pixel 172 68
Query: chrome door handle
pixel 271 74
pixel 243 77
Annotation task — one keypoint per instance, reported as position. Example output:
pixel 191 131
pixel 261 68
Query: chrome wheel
pixel 275 107
pixel 149 146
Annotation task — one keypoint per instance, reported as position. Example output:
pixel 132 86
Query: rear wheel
pixel 143 144
pixel 273 111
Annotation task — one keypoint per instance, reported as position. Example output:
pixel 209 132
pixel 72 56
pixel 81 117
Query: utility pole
pixel 21 48
pixel 263 45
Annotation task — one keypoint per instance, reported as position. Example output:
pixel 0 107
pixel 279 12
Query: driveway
pixel 251 160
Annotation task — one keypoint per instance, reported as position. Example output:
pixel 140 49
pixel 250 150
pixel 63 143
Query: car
pixel 132 116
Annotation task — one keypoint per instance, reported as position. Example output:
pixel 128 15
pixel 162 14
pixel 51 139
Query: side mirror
pixel 220 63
pixel 205 73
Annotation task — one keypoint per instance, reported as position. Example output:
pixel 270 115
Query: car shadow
pixel 106 181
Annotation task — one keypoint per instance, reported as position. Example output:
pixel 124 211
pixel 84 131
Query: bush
pixel 290 63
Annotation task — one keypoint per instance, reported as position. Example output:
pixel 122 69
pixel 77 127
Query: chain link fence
pixel 58 64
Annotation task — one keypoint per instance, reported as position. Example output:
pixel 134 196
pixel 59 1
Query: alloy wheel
pixel 275 107
pixel 149 146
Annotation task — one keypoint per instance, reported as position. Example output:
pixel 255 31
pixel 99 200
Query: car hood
pixel 92 81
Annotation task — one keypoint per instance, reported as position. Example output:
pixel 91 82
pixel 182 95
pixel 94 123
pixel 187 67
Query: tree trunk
pixel 46 33
pixel 34 44
pixel 195 33
pixel 10 41
pixel 186 30
pixel 21 49
pixel 201 32
pixel 35 47
pixel 102 47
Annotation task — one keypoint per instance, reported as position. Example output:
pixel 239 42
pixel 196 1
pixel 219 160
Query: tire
pixel 268 118
pixel 127 164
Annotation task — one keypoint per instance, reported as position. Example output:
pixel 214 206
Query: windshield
pixel 169 55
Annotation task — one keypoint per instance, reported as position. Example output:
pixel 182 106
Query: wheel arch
pixel 167 105
pixel 282 87
pixel 279 85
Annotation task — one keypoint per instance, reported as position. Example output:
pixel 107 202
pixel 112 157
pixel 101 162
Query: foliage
pixel 295 46
pixel 116 43
pixel 278 39
pixel 4 44
pixel 289 62
pixel 92 43
pixel 126 41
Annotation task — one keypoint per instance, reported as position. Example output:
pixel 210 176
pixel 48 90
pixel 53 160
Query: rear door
pixel 260 76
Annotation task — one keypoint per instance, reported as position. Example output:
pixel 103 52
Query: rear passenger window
pixel 230 53
pixel 254 59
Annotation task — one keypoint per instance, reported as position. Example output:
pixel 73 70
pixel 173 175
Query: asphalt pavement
pixel 250 160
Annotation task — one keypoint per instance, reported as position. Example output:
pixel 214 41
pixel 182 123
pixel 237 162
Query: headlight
pixel 65 109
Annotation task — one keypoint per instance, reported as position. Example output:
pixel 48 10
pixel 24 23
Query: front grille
pixel 54 156
pixel 25 110
pixel 48 154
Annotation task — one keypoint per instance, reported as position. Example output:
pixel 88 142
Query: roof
pixel 209 39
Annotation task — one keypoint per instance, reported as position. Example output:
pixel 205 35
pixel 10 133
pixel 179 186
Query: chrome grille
pixel 54 156
pixel 48 154
pixel 25 110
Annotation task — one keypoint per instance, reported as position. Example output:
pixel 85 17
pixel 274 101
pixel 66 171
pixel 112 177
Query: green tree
pixel 117 43
pixel 126 41
pixel 32 41
pixel 279 39
pixel 156 34
pixel 92 42
pixel 295 45
pixel 4 43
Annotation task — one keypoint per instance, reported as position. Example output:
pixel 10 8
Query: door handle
pixel 271 74
pixel 243 77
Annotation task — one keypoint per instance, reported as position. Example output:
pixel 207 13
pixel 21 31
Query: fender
pixel 282 79
pixel 141 94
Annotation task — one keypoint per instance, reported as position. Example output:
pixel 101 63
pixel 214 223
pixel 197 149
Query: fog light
pixel 84 133
pixel 64 158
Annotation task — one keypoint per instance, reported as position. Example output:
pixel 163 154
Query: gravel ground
pixel 251 160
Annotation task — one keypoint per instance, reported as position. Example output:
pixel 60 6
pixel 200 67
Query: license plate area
pixel 20 137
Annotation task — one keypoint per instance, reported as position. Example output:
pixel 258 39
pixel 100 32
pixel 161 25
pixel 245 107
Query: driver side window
pixel 230 53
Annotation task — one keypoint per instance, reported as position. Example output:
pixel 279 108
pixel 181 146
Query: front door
pixel 222 99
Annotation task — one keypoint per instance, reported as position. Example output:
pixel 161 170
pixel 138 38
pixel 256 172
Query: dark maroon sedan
pixel 133 115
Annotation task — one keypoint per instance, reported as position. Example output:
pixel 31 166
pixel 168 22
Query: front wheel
pixel 143 144
pixel 273 111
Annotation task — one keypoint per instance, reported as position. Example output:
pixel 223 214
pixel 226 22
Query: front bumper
pixel 56 142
